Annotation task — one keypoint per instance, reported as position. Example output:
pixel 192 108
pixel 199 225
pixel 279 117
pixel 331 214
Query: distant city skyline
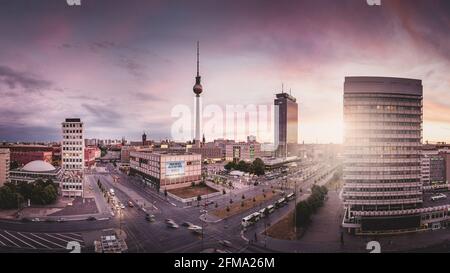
pixel 122 77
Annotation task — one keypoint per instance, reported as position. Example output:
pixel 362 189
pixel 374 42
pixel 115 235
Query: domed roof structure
pixel 38 166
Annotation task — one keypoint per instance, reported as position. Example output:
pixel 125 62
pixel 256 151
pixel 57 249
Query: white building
pixel 4 166
pixel 72 157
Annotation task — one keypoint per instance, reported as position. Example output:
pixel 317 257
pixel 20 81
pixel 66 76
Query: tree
pixel 193 184
pixel 9 198
pixel 165 192
pixel 243 196
pixel 258 167
pixel 303 214
pixel 224 192
pixel 199 198
pixel 229 166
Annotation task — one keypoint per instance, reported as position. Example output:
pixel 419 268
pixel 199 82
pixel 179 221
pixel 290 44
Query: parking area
pixel 29 240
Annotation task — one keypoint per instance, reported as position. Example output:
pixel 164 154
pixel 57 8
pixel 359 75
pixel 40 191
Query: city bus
pixel 251 219
pixel 438 197
pixel 271 208
pixel 281 202
pixel 290 196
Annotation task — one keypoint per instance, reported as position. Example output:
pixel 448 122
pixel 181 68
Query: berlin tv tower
pixel 198 89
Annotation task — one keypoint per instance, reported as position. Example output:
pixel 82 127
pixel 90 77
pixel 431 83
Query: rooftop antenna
pixel 198 57
pixel 282 87
pixel 290 91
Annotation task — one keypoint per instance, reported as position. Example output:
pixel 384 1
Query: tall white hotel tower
pixel 72 157
pixel 382 144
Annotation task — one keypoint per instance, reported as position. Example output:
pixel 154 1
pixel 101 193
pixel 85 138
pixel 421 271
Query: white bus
pixel 281 202
pixel 290 196
pixel 271 208
pixel 251 219
pixel 438 197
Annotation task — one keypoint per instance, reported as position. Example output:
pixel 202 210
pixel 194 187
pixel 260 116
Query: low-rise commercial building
pixel 35 170
pixel 166 170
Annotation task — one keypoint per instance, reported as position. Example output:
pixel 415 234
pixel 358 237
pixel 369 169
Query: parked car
pixel 187 224
pixel 130 204
pixel 225 243
pixel 91 218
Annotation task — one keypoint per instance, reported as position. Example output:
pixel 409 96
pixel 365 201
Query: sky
pixel 125 67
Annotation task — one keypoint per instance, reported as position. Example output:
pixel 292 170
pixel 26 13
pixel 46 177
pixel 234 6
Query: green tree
pixel 303 214
pixel 258 167
pixel 199 198
pixel 9 198
pixel 230 165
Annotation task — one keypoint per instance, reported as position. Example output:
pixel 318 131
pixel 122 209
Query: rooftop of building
pixel 166 152
pixel 385 85
pixel 286 96
pixel 38 166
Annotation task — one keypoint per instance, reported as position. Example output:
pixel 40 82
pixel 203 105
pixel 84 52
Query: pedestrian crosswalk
pixel 36 241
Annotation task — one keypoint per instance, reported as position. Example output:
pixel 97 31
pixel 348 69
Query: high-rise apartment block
pixel 72 157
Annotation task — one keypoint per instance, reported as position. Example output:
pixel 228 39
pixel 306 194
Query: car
pixel 122 206
pixel 172 225
pixel 168 220
pixel 196 229
pixel 187 224
pixel 91 218
pixel 61 220
pixel 150 217
pixel 222 251
pixel 130 204
pixel 225 243
pixel 35 220
pixel 25 219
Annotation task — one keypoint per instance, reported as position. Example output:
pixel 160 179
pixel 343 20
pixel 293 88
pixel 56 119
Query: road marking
pixel 9 240
pixel 76 235
pixel 70 238
pixel 33 240
pixel 43 239
pixel 19 239
pixel 51 236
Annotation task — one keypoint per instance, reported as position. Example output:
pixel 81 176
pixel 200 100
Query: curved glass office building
pixel 382 145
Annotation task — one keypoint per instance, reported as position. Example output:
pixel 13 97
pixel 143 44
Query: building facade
pixel 247 151
pixel 382 153
pixel 4 166
pixel 23 154
pixel 72 157
pixel 166 170
pixel 286 123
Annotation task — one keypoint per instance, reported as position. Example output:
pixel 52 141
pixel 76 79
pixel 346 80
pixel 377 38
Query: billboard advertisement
pixel 175 168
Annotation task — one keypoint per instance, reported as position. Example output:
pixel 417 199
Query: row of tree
pixel 39 192
pixel 309 206
pixel 256 167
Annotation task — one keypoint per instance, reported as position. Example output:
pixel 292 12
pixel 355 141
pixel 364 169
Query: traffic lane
pixel 69 226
